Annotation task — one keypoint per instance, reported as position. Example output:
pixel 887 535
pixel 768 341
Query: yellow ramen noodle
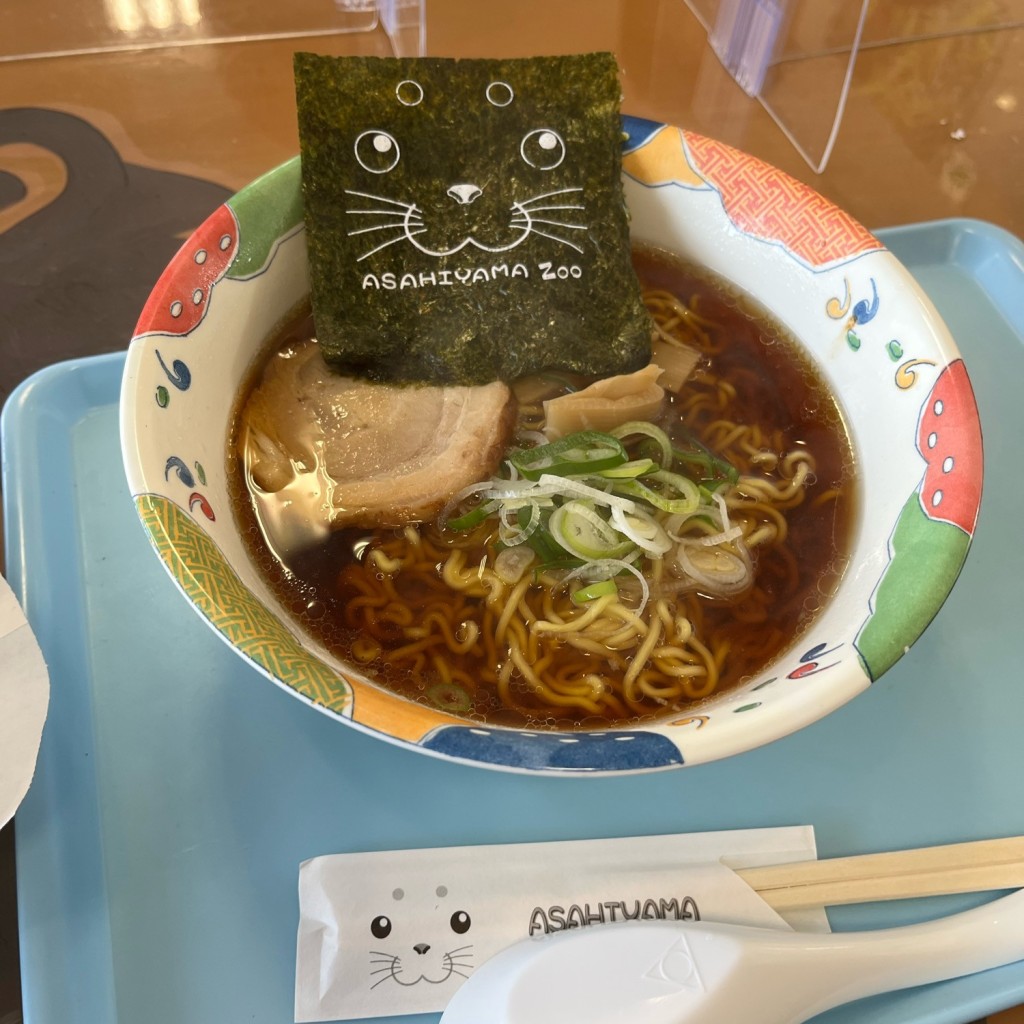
pixel 424 610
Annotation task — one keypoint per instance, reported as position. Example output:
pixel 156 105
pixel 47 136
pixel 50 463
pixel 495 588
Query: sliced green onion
pixel 705 514
pixel 714 467
pixel 576 488
pixel 629 470
pixel 449 697
pixel 558 564
pixel 709 487
pixel 685 499
pixel 527 521
pixel 582 532
pixel 522 490
pixel 474 517
pixel 716 571
pixel 587 451
pixel 655 433
pixel 537 540
pixel 606 569
pixel 643 530
pixel 682 485
pixel 589 508
pixel 594 591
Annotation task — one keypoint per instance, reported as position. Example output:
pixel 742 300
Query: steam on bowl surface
pixel 854 314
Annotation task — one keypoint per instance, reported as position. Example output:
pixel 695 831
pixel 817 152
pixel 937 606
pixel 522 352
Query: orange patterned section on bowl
pixel 662 160
pixel 395 716
pixel 767 203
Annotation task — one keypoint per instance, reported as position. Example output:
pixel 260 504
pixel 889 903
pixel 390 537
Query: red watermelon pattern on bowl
pixel 237 241
pixel 180 299
pixel 949 439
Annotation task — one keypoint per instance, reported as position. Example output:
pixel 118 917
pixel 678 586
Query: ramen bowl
pixel 853 309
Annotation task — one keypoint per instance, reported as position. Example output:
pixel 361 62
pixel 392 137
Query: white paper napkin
pixel 397 932
pixel 24 697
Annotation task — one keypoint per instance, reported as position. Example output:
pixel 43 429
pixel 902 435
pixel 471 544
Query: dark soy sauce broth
pixel 776 384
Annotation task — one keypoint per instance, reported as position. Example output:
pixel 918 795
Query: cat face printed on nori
pixel 465 218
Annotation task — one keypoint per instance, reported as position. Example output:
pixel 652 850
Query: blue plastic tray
pixel 177 791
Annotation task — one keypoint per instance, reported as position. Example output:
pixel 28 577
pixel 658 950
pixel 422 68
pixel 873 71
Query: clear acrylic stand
pixel 796 57
pixel 405 23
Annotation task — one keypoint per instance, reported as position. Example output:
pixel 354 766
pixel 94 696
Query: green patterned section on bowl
pixel 926 559
pixel 201 571
pixel 265 220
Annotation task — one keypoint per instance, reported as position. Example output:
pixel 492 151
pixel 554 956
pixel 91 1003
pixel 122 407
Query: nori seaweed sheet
pixel 465 218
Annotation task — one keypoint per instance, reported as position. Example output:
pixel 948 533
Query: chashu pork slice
pixel 338 451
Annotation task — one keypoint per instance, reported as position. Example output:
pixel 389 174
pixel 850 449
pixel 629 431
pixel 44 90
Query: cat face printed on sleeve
pixel 395 932
pixel 421 936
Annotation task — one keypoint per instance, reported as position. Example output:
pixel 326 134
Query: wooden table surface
pixel 124 122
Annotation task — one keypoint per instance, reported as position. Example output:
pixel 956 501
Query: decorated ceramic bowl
pixel 855 310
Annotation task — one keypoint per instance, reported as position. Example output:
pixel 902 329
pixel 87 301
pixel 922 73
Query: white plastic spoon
pixel 698 973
